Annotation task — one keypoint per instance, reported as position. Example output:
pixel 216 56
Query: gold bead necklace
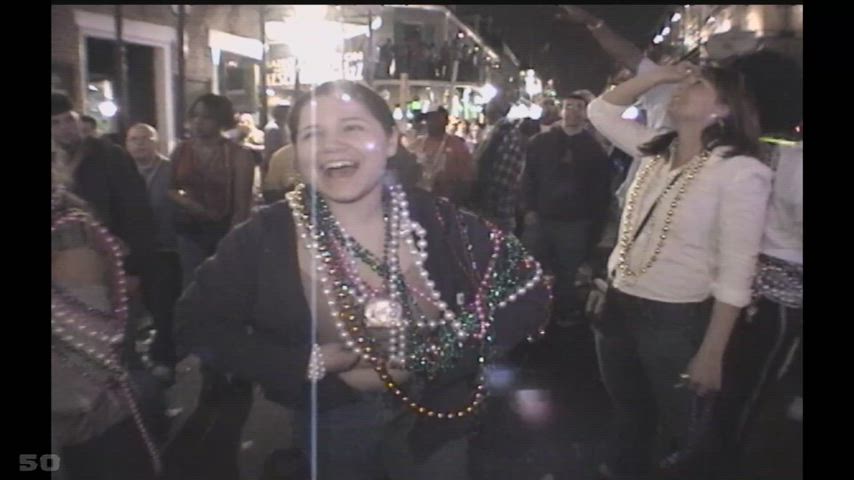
pixel 628 234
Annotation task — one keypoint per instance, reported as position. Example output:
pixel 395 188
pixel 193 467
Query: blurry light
pixel 345 97
pixel 499 378
pixel 93 88
pixel 518 112
pixel 310 12
pixel 377 23
pixel 676 17
pixel 658 39
pixel 271 92
pixel 711 20
pixel 533 406
pixel 108 109
pixel 461 35
pixel 398 114
pixel 631 113
pixel 488 92
pixel 665 31
pixel 535 112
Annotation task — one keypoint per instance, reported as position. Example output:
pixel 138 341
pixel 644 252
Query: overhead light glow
pixel 108 108
pixel 676 17
pixel 658 39
pixel 665 31
pixel 377 23
pixel 488 92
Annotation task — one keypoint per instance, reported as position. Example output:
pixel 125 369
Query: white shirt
pixel 714 240
pixel 784 230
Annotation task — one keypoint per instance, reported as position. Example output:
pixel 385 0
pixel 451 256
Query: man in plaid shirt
pixel 501 164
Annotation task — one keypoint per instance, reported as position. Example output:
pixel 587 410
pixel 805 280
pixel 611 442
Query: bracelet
pixel 316 365
pixel 597 26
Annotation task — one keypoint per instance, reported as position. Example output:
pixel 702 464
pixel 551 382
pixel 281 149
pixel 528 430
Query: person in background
pixel 106 178
pixel 652 103
pixel 282 175
pixel 212 189
pixel 447 166
pixel 500 164
pixel 566 202
pixel 101 404
pixel 275 135
pixel 89 126
pixel 156 170
pixel 550 116
pixel 763 366
pixel 211 182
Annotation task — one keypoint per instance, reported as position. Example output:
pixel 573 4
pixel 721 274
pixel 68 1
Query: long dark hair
pixel 356 91
pixel 739 130
pixel 776 82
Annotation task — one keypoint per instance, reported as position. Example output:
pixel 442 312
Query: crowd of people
pixel 423 61
pixel 375 278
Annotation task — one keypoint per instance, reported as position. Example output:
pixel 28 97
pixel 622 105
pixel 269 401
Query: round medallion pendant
pixel 383 313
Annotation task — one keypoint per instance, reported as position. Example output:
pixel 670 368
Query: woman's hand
pixel 705 372
pixel 675 73
pixel 180 198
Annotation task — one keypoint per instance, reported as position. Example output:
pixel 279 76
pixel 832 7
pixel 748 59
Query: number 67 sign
pixel 45 463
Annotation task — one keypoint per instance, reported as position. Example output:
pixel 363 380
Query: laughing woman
pixel 368 308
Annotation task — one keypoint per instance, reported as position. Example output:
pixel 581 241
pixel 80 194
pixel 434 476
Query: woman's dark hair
pixel 219 107
pixel 356 91
pixel 738 130
pixel 776 82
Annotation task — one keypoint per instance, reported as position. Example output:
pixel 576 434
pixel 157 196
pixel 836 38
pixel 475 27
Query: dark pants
pixel 194 248
pixel 209 442
pixel 166 290
pixel 368 441
pixel 561 247
pixel 643 347
pixel 762 372
pixel 118 453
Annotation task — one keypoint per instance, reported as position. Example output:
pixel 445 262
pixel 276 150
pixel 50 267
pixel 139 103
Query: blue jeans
pixel 368 441
pixel 643 347
pixel 561 247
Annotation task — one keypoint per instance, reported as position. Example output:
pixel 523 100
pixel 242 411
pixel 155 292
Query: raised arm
pixel 606 112
pixel 620 49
